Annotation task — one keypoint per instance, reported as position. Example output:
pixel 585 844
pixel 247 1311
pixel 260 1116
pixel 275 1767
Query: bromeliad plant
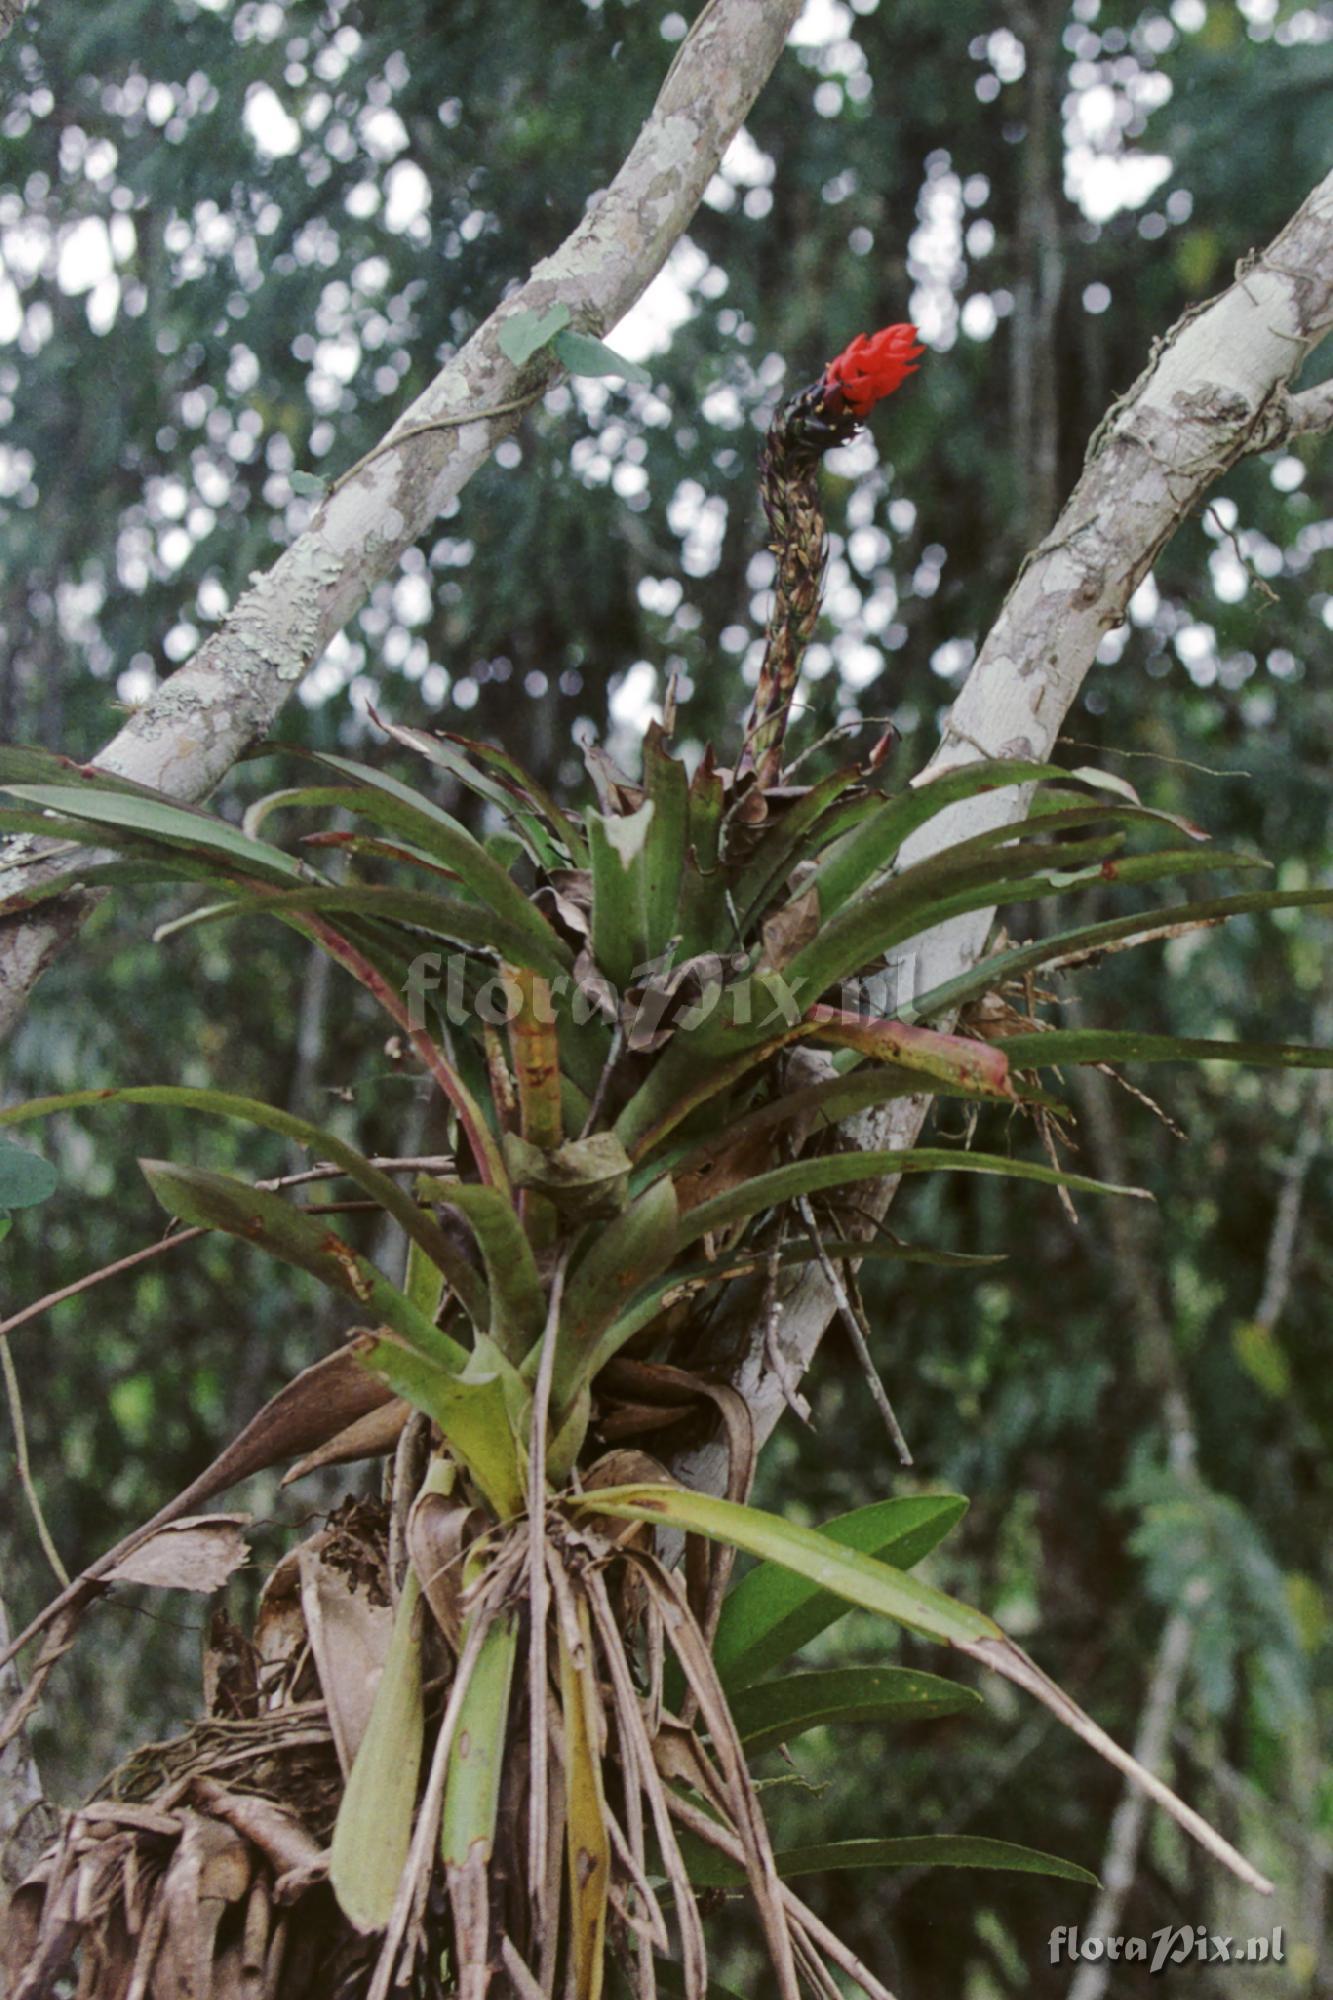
pixel 620 1008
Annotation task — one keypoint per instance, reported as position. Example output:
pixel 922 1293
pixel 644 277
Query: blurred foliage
pixel 270 311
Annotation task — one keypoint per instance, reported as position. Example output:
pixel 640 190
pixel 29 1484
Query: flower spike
pixel 827 413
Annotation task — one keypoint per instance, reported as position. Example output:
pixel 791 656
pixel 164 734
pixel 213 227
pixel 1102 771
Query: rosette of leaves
pixel 618 1007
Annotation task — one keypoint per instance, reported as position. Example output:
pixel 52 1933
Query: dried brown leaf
pixel 316 1405
pixel 370 1436
pixel 789 930
pixel 198 1553
pixel 440 1529
pixel 349 1636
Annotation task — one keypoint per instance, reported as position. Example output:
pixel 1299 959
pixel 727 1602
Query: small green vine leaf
pixel 25 1178
pixel 526 333
pixel 308 485
pixel 583 355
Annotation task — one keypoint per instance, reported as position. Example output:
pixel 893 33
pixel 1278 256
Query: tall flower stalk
pixel 827 413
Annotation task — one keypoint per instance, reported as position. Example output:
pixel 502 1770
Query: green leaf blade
pixel 875 1586
pixel 779 1712
pixel 374 1827
pixel 772 1613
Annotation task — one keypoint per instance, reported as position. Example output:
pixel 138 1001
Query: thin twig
pixel 1280 1259
pixel 604 1080
pixel 86 1283
pixel 15 1400
pixel 525 1986
pixel 857 1335
pixel 393 1163
pixel 742 1804
pixel 58 1641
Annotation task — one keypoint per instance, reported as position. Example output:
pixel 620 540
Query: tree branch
pixel 187 737
pixel 1207 397
pixel 1156 1722
pixel 1308 414
pixel 26 1820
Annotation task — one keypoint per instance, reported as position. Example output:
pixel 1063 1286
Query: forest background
pixel 235 240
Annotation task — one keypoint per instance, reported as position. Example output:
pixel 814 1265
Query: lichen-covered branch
pixel 26 1821
pixel 1308 414
pixel 200 720
pixel 1215 389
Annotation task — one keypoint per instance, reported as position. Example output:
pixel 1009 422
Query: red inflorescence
pixel 873 366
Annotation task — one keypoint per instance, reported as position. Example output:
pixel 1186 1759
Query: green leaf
pixel 25 1178
pixel 307 485
pixel 616 856
pixel 664 849
pixel 872 847
pixel 476 1757
pixel 807 1551
pixel 583 355
pixel 422 1231
pixel 703 887
pixel 391 804
pixel 645 1308
pixel 709 1869
pixel 89 874
pixel 160 820
pixel 438 916
pixel 1098 1045
pixel 791 838
pixel 516 786
pixel 1088 939
pixel 588 1842
pixel 772 1613
pixel 423 1282
pixel 374 1827
pixel 472 1413
pixel 27 764
pixel 833 1100
pixel 844 1169
pixel 526 333
pixel 780 1711
pixel 407 1351
pixel 967 878
pixel 518 1306
pixel 220 1201
pixel 627 1255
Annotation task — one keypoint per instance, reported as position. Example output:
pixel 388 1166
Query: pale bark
pixel 27 1822
pixel 1215 389
pixel 1120 1861
pixel 200 720
pixel 1033 361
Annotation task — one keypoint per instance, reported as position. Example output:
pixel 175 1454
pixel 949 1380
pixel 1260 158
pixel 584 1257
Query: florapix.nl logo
pixel 1173 1945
